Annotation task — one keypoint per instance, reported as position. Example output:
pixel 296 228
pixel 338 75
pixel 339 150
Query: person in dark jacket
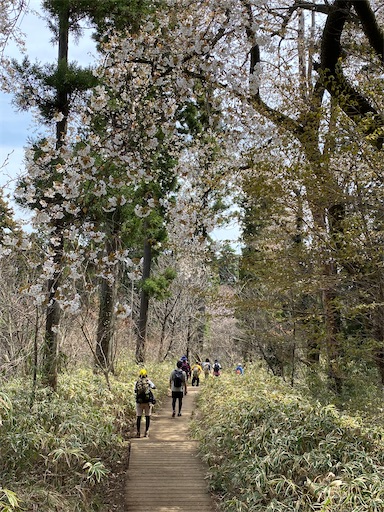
pixel 178 385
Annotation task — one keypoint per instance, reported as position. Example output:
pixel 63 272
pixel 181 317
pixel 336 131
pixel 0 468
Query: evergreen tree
pixel 54 89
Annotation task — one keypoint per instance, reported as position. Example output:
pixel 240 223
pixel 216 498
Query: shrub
pixel 269 449
pixel 53 452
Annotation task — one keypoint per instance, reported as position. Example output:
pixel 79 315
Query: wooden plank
pixel 165 467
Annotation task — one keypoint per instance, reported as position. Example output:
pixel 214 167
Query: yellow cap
pixel 143 372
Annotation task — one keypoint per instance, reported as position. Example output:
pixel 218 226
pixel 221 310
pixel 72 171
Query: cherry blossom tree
pixel 56 92
pixel 257 72
pixel 11 12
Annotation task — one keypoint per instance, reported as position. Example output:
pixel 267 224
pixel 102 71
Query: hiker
pixel 196 370
pixel 216 368
pixel 144 401
pixel 185 366
pixel 178 385
pixel 239 369
pixel 207 368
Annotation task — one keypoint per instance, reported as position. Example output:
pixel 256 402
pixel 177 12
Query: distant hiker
pixel 196 371
pixel 216 368
pixel 178 385
pixel 239 370
pixel 185 366
pixel 207 368
pixel 144 400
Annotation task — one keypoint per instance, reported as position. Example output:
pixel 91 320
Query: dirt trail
pixel 165 474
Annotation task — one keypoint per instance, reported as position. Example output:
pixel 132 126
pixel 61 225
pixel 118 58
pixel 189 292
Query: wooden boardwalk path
pixel 165 474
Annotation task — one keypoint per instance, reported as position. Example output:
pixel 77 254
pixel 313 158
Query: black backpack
pixel 178 379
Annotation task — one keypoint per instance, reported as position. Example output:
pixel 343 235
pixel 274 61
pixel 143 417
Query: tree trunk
pixel 378 332
pixel 51 345
pixel 106 324
pixel 163 324
pixel 333 327
pixel 200 328
pixel 171 341
pixel 106 321
pixel 189 336
pixel 52 320
pixel 324 190
pixel 144 304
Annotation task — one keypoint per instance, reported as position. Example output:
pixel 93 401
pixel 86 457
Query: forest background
pixel 270 111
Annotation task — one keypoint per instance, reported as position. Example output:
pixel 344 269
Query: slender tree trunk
pixel 333 328
pixel 163 331
pixel 35 357
pixel 105 328
pixel 144 304
pixel 52 321
pixel 378 332
pixel 189 336
pixel 201 328
pixel 106 321
pixel 164 322
pixel 51 341
pixel 172 340
pixel 313 347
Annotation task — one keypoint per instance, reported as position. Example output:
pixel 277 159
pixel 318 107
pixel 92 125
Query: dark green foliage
pixel 227 263
pixel 158 287
pixel 103 15
pixel 42 85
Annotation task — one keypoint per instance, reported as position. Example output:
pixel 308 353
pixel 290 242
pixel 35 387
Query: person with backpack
pixel 185 366
pixel 196 370
pixel 144 401
pixel 178 385
pixel 207 368
pixel 216 368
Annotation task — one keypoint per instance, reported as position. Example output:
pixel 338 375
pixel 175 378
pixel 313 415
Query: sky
pixel 17 128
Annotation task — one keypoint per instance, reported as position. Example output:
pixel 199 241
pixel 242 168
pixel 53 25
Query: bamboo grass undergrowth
pixel 54 454
pixel 269 449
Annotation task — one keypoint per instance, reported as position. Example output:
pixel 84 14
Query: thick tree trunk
pixel 354 104
pixel 324 190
